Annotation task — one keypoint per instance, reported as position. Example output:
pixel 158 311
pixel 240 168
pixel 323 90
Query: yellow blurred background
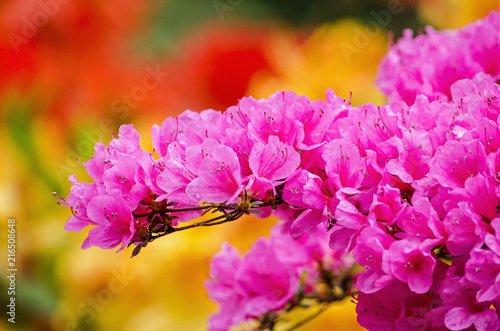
pixel 73 71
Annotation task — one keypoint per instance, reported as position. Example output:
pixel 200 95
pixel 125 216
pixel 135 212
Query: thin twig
pixel 309 318
pixel 175 210
pixel 233 218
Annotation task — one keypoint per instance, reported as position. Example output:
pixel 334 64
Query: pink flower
pixel 411 264
pixel 317 116
pixel 429 64
pixel 381 310
pixel 465 229
pixel 370 247
pixel 78 200
pixel 115 223
pixel 242 145
pixel 269 275
pixel 127 142
pixel 266 281
pixel 478 96
pixel 370 127
pixel 179 168
pixel 493 240
pixel 481 191
pixel 164 135
pixel 98 163
pixel 488 133
pixel 484 34
pixel 272 117
pixel 343 165
pixel 219 178
pixel 415 151
pixel 271 164
pixel 461 308
pixel 387 205
pixel 303 191
pixel 221 288
pixel 483 269
pixel 188 129
pixel 124 176
pixel 455 162
pixel 421 222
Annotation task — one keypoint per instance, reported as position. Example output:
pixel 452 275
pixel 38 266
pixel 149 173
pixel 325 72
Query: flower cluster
pixel 237 162
pixel 275 276
pixel 429 64
pixel 405 189
pixel 410 188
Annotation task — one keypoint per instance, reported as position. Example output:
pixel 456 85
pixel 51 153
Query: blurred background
pixel 73 71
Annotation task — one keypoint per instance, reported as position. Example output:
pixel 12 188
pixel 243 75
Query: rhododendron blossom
pixel 270 275
pixel 411 189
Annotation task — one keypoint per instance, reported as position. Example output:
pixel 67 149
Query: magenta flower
pixel 455 162
pixel 115 223
pixel 410 263
pixel 219 178
pixel 317 117
pixel 461 310
pixel 269 275
pixel 488 133
pixel 124 176
pixel 483 269
pixel 179 167
pixel 412 188
pixel 421 222
pixel 430 63
pixel 127 142
pixel 481 191
pixel 371 128
pixel 188 129
pixel 369 251
pixel 387 205
pixel 271 163
pixel 478 97
pixel 465 229
pixel 343 165
pixel 485 49
pixel 303 191
pixel 222 288
pixel 381 310
pixel 267 282
pixel 80 196
pixel 272 117
pixel 412 163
